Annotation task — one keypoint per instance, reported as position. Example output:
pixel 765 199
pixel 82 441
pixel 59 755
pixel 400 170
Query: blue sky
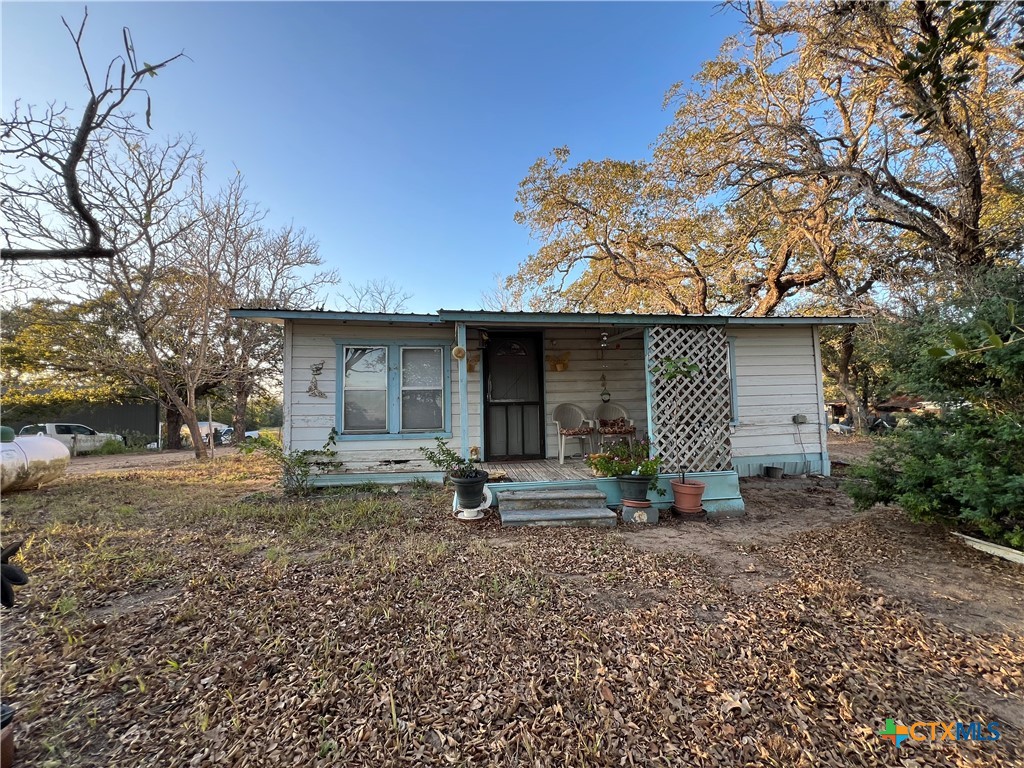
pixel 394 133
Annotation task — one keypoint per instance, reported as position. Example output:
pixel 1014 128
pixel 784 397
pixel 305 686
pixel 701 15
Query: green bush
pixel 297 467
pixel 966 468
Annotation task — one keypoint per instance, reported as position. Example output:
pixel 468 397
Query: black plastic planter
pixel 634 487
pixel 470 490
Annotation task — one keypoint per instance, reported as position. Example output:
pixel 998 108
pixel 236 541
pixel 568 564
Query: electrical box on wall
pixel 799 418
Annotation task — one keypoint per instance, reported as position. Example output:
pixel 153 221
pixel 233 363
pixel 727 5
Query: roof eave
pixel 280 315
pixel 519 319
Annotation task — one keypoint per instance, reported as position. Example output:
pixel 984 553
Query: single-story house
pixel 489 382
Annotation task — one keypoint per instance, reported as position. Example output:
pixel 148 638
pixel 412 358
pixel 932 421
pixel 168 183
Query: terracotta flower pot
pixel 686 496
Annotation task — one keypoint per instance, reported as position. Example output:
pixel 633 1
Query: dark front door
pixel 513 409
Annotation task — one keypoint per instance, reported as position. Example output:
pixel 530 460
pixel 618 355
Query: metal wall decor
pixel 314 387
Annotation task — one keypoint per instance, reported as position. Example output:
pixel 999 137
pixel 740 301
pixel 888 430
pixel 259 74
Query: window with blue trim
pixel 390 389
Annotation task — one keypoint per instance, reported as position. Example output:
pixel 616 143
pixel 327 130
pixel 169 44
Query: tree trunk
pixel 241 410
pixel 192 422
pixel 174 424
pixel 846 381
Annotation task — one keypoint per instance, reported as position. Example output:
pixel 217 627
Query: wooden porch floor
pixel 539 470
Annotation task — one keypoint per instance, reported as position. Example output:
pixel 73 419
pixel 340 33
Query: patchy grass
pixel 194 615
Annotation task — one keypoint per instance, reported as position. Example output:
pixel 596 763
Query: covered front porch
pixel 513 378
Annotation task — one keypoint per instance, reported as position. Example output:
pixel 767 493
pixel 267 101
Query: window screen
pixel 365 385
pixel 422 406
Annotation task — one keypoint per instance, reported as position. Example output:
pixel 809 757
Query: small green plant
pixel 447 460
pixel 670 368
pixel 296 467
pixel 138 441
pixel 621 458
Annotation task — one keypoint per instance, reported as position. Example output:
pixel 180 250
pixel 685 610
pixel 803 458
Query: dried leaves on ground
pixel 192 617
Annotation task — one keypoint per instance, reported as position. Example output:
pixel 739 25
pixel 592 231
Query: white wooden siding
pixel 312 417
pixel 775 368
pixel 777 377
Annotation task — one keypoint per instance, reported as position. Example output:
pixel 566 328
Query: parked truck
pixel 77 437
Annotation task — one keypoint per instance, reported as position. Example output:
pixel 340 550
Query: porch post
pixel 648 390
pixel 460 339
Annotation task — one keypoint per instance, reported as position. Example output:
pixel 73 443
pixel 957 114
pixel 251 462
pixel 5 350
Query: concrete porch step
pixel 580 497
pixel 582 516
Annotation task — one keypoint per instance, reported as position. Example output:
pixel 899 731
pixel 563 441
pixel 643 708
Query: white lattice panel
pixel 691 415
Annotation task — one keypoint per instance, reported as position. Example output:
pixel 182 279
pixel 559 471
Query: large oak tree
pixel 847 158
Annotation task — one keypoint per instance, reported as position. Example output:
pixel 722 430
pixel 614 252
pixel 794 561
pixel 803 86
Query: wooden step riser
pixel 592 516
pixel 512 501
pixel 528 506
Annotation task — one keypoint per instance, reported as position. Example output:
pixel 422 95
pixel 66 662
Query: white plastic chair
pixel 612 421
pixel 572 422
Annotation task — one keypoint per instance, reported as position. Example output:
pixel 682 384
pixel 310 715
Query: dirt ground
pixel 848 449
pixel 950 582
pixel 945 587
pixel 89 464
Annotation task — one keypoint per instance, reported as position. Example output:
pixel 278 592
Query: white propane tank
pixel 30 461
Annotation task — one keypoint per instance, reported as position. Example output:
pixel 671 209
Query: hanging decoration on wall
pixel 314 387
pixel 472 361
pixel 458 352
pixel 558 363
pixel 605 394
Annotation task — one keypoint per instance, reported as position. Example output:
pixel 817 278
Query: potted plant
pixel 632 464
pixel 468 479
pixel 687 495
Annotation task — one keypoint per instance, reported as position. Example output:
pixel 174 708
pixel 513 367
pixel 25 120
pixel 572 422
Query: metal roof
pixel 480 317
pixel 628 318
pixel 280 315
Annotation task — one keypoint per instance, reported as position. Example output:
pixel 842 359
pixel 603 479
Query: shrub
pixel 966 468
pixel 137 441
pixel 297 466
pixel 449 462
pixel 111 447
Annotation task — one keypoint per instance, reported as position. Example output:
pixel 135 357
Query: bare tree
pixel 247 265
pixel 380 295
pixel 147 195
pixel 103 184
pixel 509 295
pixel 58 148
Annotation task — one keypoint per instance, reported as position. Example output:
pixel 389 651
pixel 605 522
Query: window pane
pixel 421 409
pixel 366 368
pixel 366 411
pixel 421 368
